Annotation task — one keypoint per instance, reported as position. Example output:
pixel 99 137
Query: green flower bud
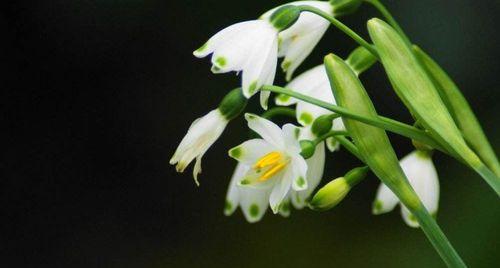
pixel 345 7
pixel 284 17
pixel 308 147
pixel 322 125
pixel 335 191
pixel 233 104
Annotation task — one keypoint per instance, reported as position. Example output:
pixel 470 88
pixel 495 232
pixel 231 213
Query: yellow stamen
pixel 275 169
pixel 267 160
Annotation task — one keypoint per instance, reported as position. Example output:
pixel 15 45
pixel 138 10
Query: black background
pixel 97 94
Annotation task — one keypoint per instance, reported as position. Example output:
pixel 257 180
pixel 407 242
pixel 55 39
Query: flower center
pixel 269 165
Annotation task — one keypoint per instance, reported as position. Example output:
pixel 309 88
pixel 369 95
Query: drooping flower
pixel 274 161
pixel 250 47
pixel 422 175
pixel 205 130
pixel 313 83
pixel 202 133
pixel 298 41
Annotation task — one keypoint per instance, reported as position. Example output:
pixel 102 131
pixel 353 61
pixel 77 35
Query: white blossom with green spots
pixel 249 47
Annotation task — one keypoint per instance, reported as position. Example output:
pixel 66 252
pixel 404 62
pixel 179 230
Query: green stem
pixel 379 121
pixel 330 134
pixel 278 111
pixel 390 19
pixel 349 146
pixel 438 239
pixel 344 28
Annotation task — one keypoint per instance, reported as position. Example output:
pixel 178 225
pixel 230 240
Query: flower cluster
pixel 275 170
pixel 281 167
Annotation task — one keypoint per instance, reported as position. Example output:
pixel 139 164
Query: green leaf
pixel 373 144
pixel 418 93
pixel 460 110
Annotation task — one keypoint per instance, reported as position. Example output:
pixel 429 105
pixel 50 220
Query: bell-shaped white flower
pixel 422 175
pixel 298 41
pixel 274 161
pixel 313 83
pixel 250 47
pixel 254 200
pixel 202 133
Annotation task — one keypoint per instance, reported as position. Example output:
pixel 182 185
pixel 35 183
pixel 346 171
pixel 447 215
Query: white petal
pixel 250 151
pixel 291 135
pixel 266 129
pixel 385 200
pixel 280 190
pixel 299 173
pixel 254 202
pixel 315 168
pixel 307 113
pixel 222 37
pixel 423 177
pixel 301 46
pixel 260 66
pixel 233 191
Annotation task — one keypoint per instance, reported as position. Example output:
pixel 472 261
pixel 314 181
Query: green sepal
pixel 345 7
pixel 460 110
pixel 233 104
pixel 284 17
pixel 360 60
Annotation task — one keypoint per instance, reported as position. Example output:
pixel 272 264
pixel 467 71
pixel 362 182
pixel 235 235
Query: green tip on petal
pixel 201 49
pixel 228 208
pixel 306 118
pixel 377 207
pixel 236 152
pixel 221 62
pixel 254 210
pixel 283 98
pixel 252 88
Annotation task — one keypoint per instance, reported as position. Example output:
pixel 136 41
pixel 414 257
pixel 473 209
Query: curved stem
pixel 388 16
pixel 379 121
pixel 344 28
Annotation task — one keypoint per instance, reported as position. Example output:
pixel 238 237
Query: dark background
pixel 97 94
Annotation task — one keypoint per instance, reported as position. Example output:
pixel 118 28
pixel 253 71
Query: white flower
pixel 250 47
pixel 274 161
pixel 202 133
pixel 298 41
pixel 422 175
pixel 313 83
pixel 254 200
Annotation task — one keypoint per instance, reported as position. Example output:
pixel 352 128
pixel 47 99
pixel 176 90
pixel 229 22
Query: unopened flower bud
pixel 284 17
pixel 308 147
pixel 322 125
pixel 233 104
pixel 335 191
